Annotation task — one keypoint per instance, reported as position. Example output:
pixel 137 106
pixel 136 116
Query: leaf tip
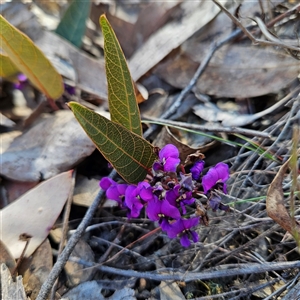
pixel 102 19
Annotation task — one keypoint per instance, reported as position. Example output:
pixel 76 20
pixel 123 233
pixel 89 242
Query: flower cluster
pixel 166 195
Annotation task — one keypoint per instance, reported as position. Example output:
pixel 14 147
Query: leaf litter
pixel 242 253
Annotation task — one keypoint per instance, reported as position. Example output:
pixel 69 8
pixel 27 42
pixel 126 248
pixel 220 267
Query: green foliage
pixel 30 60
pixel 121 96
pixel 73 24
pixel 130 154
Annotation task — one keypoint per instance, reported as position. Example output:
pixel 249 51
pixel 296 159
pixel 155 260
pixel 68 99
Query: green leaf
pixel 121 95
pixel 73 24
pixel 7 68
pixel 130 154
pixel 30 60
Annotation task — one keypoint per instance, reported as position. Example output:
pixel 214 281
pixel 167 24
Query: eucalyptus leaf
pixel 73 24
pixel 130 154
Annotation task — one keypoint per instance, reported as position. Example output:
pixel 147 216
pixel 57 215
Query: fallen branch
pixel 217 272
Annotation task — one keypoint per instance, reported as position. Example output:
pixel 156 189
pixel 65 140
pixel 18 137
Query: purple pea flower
pixel 136 195
pixel 168 159
pixel 22 79
pixel 219 173
pixel 183 227
pixel 114 190
pixel 133 201
pixel 197 169
pixel 158 210
pixel 175 198
pixel 215 203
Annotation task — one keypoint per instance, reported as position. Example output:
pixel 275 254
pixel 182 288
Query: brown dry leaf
pixel 235 70
pixel 11 290
pixel 34 214
pixel 151 18
pixel 36 268
pixel 166 136
pixel 275 203
pixel 15 189
pixel 77 273
pixel 6 258
pixel 173 34
pixel 54 144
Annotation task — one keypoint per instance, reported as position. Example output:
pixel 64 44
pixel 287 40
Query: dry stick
pixel 65 228
pixel 176 105
pixel 216 272
pixel 284 15
pixel 63 258
pixel 208 128
pixel 255 41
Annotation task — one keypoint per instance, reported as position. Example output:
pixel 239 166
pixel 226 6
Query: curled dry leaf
pixel 34 214
pixel 53 145
pixel 275 203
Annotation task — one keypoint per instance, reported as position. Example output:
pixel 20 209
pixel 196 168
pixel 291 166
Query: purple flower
pixel 114 190
pixel 168 159
pixel 197 169
pixel 136 196
pixel 173 194
pixel 215 203
pixel 21 81
pixel 183 227
pixel 175 198
pixel 133 201
pixel 145 191
pixel 157 210
pixel 70 89
pixel 219 173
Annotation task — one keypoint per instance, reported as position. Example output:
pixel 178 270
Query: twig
pixel 65 228
pixel 284 15
pixel 272 38
pixel 251 118
pixel 63 258
pixel 208 128
pixel 217 272
pixel 255 41
pixel 172 110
